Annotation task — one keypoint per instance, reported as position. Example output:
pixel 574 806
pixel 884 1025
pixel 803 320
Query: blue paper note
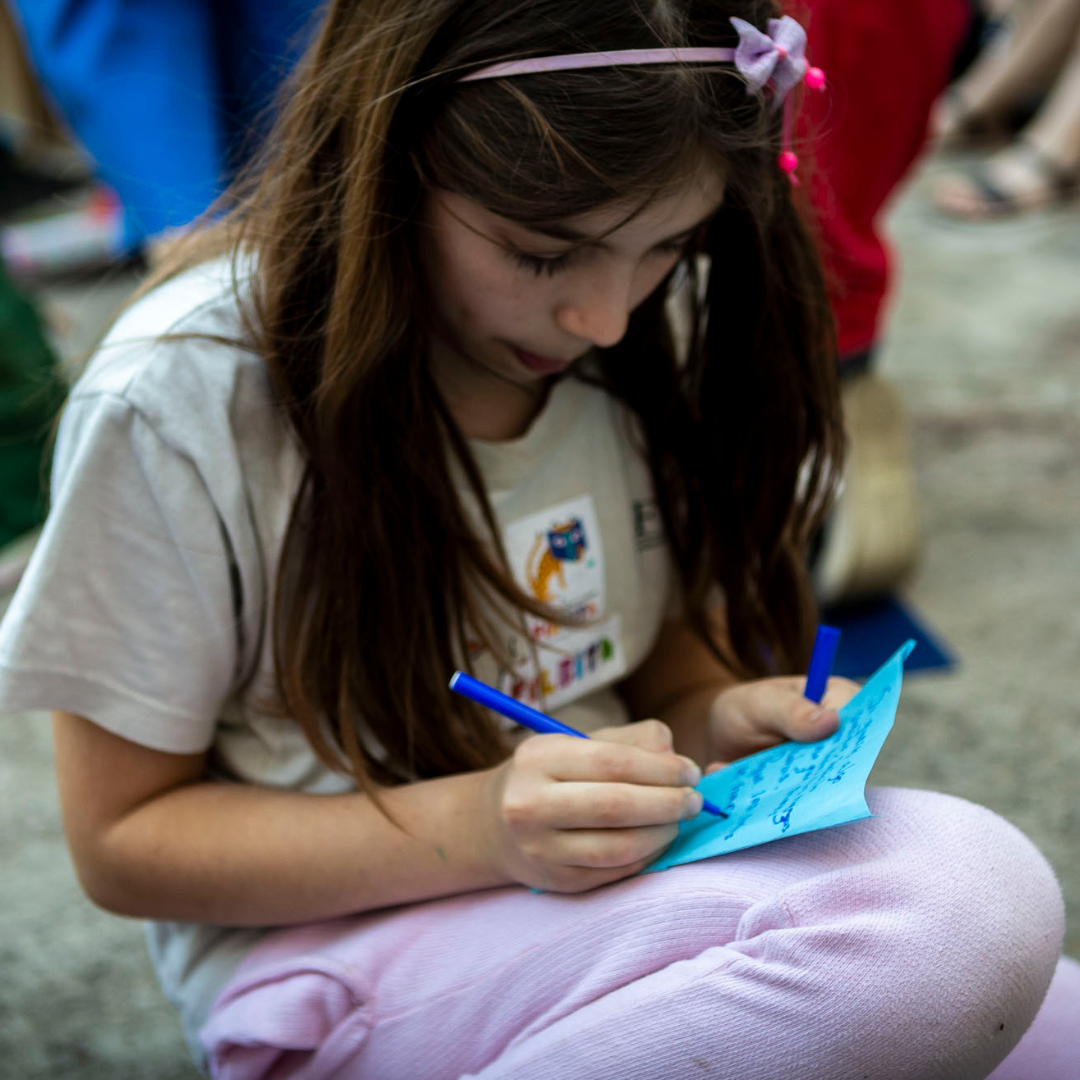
pixel 795 787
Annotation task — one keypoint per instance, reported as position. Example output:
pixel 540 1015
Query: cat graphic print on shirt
pixel 557 555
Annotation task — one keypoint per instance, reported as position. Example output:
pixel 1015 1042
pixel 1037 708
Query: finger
pixel 576 879
pixel 716 766
pixel 601 849
pixel 648 734
pixel 563 757
pixel 584 805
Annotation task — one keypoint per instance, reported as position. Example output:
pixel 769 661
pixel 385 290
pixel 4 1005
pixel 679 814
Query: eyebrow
pixel 569 234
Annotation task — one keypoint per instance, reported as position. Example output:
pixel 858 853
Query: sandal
pixel 985 189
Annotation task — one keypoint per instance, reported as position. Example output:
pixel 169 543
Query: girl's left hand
pixel 753 716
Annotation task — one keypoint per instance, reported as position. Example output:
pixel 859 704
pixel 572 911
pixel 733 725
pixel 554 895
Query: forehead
pixel 676 209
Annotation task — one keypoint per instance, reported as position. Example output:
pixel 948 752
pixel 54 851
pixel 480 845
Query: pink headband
pixel 601 59
pixel 776 59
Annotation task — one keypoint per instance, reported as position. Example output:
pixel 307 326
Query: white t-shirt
pixel 146 605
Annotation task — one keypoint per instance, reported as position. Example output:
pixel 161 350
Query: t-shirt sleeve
pixel 126 613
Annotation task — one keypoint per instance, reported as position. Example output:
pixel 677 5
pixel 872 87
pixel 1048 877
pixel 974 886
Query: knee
pixel 979 872
pixel 982 920
pixel 943 915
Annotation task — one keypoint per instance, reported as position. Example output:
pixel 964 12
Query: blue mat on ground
pixel 871 633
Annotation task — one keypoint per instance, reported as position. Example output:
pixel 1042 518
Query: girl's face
pixel 513 306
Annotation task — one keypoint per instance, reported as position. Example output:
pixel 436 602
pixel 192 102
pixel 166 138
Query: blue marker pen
pixel 821 662
pixel 537 721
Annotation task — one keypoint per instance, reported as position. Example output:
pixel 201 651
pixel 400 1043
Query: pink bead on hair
pixel 788 163
pixel 815 78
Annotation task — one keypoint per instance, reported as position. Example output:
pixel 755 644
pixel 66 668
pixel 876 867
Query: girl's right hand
pixel 569 814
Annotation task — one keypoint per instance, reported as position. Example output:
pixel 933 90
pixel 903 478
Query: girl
pixel 434 417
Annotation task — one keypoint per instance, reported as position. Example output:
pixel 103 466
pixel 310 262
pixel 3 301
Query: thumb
pixel 807 721
pixel 770 709
pixel 818 721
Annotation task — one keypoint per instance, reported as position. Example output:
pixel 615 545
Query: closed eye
pixel 554 264
pixel 540 265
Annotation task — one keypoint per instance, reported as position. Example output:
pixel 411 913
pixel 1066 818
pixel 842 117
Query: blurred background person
pixel 167 97
pixel 121 120
pixel 887 63
pixel 1021 99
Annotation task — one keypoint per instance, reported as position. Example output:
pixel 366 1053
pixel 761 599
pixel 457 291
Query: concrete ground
pixel 984 344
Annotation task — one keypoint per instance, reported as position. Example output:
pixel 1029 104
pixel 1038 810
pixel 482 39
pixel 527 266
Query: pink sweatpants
pixel 918 944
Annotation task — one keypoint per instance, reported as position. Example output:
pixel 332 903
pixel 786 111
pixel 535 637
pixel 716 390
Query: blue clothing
pixel 165 95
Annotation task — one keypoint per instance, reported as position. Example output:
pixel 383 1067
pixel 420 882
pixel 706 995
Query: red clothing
pixel 886 62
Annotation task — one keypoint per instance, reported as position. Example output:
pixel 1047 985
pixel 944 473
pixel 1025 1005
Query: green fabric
pixel 31 393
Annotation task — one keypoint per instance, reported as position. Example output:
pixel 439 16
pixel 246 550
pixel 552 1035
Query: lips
pixel 542 365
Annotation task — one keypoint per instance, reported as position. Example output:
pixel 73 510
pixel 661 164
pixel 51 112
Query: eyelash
pixel 553 266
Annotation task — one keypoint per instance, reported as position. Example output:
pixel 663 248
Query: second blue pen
pixel 821 662
pixel 512 709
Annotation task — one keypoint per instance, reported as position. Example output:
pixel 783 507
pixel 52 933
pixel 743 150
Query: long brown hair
pixel 383 573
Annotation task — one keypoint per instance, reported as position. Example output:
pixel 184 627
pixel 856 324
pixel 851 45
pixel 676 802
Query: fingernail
pixel 694 802
pixel 691 773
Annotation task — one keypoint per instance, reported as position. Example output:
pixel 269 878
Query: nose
pixel 599 314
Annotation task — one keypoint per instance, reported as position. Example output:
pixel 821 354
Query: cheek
pixel 649 277
pixel 485 290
